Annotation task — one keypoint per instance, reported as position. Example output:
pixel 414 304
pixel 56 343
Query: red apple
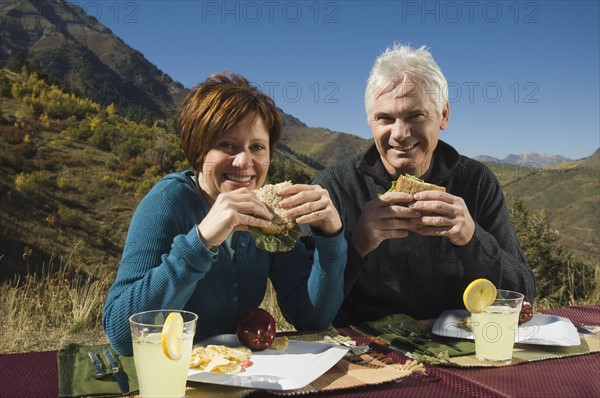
pixel 526 311
pixel 256 329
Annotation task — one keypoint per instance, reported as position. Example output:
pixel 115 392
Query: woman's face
pixel 239 158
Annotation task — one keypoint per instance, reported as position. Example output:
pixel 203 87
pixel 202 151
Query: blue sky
pixel 523 75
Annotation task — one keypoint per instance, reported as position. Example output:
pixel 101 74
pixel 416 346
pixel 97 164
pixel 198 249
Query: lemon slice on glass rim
pixel 170 338
pixel 479 295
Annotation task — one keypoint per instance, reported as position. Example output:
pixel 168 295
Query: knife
pixel 120 376
pixel 100 373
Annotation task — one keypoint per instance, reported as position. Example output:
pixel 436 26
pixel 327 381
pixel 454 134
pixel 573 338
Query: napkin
pixel 76 373
pixel 387 329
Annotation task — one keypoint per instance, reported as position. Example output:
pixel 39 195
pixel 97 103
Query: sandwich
pixel 411 184
pixel 283 232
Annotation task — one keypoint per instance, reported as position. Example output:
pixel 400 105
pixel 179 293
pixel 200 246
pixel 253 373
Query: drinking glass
pixel 159 376
pixel 495 329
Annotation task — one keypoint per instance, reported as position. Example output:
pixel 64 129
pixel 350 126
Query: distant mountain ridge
pixel 530 159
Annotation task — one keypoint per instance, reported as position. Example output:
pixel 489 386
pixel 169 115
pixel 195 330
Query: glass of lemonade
pixel 495 329
pixel 158 375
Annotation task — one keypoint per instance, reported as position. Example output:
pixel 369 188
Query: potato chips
pixel 220 359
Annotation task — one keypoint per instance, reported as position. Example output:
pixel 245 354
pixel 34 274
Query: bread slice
pixel 413 185
pixel 268 195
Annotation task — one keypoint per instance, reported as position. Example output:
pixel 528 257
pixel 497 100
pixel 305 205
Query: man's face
pixel 406 124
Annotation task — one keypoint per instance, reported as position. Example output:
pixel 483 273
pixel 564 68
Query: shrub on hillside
pixel 69 217
pixel 105 136
pixel 62 182
pixel 165 152
pixel 77 129
pixel 31 183
pixel 42 98
pixel 150 177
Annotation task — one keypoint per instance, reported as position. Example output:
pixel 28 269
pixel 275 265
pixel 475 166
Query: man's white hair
pixel 402 64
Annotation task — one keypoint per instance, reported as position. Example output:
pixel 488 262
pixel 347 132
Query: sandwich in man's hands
pixel 411 184
pixel 283 232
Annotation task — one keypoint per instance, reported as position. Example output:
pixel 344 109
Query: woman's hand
pixel 311 204
pixel 232 211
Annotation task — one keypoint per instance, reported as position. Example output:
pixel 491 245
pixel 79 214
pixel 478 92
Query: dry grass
pixel 50 311
pixel 47 312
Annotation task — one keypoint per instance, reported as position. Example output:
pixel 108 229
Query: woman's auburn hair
pixel 219 104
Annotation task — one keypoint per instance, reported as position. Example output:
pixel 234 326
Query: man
pixel 416 254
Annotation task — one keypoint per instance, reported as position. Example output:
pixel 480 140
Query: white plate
pixel 295 367
pixel 541 329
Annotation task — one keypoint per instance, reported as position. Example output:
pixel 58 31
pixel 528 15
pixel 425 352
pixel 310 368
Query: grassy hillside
pixel 61 198
pixel 570 195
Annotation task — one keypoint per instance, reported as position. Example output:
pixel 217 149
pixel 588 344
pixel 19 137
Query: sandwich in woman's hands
pixel 411 184
pixel 283 232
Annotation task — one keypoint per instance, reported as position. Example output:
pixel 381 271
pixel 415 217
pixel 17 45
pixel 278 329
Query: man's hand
pixel 443 214
pixel 385 217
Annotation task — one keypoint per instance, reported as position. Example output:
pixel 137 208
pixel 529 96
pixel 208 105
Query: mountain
pixel 530 159
pixel 85 57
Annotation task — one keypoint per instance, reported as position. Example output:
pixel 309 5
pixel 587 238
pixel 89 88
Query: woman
pixel 188 245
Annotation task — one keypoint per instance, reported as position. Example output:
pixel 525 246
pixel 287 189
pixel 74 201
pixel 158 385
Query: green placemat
pixel 76 373
pixel 402 331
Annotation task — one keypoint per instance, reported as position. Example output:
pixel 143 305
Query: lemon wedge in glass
pixel 171 336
